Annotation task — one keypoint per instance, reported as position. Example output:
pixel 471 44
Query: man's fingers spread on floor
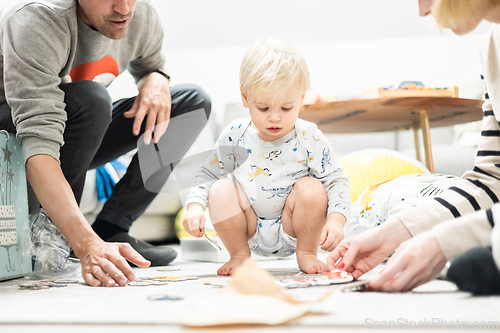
pixel 91 280
pixel 105 279
pixel 124 267
pixel 133 256
pixel 110 269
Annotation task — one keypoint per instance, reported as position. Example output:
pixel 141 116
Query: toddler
pixel 289 195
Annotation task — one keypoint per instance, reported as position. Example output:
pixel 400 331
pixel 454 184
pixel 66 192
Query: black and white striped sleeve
pixel 470 200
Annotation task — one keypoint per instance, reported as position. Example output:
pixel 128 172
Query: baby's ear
pixel 244 99
pixel 302 99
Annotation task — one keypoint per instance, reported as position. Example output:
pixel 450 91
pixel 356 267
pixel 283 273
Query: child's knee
pixel 221 189
pixel 310 191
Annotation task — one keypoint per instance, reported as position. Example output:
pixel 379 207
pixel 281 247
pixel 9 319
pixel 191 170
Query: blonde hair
pixel 270 67
pixel 454 13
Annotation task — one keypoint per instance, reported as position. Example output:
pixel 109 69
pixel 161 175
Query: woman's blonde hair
pixel 270 67
pixel 454 13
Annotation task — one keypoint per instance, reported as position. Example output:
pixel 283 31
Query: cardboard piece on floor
pixel 251 297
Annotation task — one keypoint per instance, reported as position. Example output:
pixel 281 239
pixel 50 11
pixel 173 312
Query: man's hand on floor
pixel 105 264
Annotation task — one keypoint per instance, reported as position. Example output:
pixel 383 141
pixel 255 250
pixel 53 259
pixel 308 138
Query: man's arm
pixel 102 263
pixel 32 63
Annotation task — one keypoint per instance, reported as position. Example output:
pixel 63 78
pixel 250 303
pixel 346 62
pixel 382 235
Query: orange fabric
pixel 90 70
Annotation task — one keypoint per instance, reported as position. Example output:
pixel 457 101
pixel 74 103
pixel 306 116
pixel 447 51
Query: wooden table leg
pixel 426 133
pixel 417 143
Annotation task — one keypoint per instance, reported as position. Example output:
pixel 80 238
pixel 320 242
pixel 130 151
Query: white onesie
pixel 268 174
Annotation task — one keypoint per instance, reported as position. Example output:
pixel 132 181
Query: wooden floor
pixel 80 308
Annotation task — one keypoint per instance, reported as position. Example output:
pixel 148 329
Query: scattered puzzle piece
pixel 168 269
pixel 163 297
pixel 40 285
pixel 138 284
pixel 215 283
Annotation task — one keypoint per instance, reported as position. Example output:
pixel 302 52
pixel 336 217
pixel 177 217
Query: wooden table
pixel 392 114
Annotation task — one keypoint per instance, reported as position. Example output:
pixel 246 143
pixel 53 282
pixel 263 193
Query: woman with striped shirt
pixel 458 225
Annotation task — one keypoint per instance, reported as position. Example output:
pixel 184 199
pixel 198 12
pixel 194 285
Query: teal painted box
pixel 14 224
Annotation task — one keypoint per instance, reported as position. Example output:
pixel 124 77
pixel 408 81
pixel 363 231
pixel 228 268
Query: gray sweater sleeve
pixel 35 47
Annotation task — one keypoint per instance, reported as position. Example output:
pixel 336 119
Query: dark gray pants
pixel 475 271
pixel 97 132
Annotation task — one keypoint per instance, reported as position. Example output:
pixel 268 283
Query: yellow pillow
pixel 369 166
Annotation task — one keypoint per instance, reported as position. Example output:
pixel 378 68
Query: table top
pixel 390 114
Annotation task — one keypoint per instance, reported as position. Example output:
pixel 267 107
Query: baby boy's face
pixel 275 116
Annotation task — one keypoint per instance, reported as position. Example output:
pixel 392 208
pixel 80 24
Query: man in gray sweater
pixel 56 59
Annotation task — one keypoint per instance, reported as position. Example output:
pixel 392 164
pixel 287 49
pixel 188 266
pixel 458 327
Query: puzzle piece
pixel 326 279
pixel 163 297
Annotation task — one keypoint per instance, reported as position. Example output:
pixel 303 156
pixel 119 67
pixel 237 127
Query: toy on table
pixel 410 89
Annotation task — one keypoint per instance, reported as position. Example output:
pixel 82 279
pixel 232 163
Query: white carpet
pixel 436 304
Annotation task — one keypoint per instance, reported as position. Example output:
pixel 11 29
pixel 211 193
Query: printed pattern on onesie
pixel 267 178
pixel 268 174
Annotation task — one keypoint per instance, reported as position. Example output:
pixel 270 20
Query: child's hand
pixel 194 220
pixel 332 234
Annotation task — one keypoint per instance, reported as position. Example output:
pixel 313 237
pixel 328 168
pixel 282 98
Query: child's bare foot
pixel 235 261
pixel 309 263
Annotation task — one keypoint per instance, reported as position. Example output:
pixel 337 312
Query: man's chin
pixel 115 33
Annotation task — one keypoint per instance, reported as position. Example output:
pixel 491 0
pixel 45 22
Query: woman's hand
pixel 360 254
pixel 415 262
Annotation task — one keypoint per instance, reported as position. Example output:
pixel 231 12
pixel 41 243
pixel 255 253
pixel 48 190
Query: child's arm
pixel 324 166
pixel 218 165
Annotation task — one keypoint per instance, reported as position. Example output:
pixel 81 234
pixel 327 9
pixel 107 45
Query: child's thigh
pixel 228 192
pixel 227 199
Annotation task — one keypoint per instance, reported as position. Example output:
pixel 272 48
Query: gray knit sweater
pixel 43 43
